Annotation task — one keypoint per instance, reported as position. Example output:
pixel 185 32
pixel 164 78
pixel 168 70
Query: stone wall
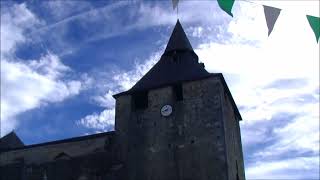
pixel 200 140
pixel 93 166
pixel 189 144
pixel 41 154
pixel 92 157
pixel 233 141
pixel 123 114
pixel 203 123
pixel 150 156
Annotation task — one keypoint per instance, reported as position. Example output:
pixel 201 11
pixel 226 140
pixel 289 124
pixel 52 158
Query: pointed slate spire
pixel 178 63
pixel 178 40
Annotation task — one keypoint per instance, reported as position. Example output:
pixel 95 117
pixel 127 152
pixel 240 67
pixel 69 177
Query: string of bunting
pixel 271 15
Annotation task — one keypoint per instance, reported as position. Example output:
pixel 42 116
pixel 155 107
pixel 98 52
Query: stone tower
pixel 179 122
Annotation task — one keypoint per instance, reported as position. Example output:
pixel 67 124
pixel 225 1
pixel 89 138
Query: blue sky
pixel 61 62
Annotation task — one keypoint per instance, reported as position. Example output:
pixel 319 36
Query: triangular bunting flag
pixel 271 14
pixel 226 5
pixel 315 25
pixel 175 3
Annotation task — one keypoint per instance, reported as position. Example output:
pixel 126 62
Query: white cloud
pixel 121 81
pixel 251 63
pixel 100 121
pixel 13 23
pixel 28 84
pixel 282 169
pixel 161 13
pixel 106 100
pixel 62 9
pixel 23 88
pixel 125 80
pixel 147 15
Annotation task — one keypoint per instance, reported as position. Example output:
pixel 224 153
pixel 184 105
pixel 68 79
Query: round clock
pixel 166 110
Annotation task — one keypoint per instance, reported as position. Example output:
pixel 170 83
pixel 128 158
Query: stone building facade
pixel 87 157
pixel 178 122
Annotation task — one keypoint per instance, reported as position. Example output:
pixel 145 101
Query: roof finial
pixel 175 5
pixel 178 11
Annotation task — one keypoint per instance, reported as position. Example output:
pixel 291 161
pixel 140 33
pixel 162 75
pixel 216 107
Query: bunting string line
pixel 271 15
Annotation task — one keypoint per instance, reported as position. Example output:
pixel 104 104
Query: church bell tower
pixel 179 122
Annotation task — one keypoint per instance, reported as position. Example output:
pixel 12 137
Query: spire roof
pixel 178 40
pixel 178 63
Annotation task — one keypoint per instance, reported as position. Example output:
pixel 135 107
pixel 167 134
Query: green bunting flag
pixel 315 25
pixel 226 5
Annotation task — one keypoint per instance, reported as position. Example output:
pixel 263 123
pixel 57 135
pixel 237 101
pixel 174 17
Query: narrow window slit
pixel 177 89
pixel 140 100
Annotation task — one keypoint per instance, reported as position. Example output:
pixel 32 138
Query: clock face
pixel 166 110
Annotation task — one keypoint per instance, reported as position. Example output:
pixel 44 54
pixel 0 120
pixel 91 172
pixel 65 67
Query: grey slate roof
pixel 179 63
pixel 178 40
pixel 74 139
pixel 10 140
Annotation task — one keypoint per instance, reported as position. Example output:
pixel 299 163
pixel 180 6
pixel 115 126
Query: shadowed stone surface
pixel 10 141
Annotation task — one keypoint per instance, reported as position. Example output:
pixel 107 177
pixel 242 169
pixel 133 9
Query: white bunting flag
pixel 271 15
pixel 175 3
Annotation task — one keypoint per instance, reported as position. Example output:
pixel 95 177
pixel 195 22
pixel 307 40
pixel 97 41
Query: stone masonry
pixel 195 142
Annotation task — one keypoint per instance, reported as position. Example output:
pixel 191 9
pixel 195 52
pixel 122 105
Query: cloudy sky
pixel 61 62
